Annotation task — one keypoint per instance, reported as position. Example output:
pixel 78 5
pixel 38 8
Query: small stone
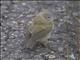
pixel 38 57
pixel 12 18
pixel 72 56
pixel 52 56
pixel 61 20
pixel 74 33
pixel 20 15
pixel 5 49
pixel 15 6
pixel 52 52
pixel 30 22
pixel 60 49
pixel 47 55
pixel 6 16
pixel 13 10
pixel 23 4
pixel 14 22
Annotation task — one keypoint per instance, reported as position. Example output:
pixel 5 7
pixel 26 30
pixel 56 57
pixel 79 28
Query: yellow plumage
pixel 40 29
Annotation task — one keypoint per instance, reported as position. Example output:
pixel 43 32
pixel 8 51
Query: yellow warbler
pixel 40 28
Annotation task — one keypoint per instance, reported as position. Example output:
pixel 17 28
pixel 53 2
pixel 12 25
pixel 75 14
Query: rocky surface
pixel 14 16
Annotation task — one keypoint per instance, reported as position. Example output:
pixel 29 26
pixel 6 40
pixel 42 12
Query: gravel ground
pixel 14 16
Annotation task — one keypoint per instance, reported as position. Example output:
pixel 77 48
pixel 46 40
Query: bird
pixel 40 28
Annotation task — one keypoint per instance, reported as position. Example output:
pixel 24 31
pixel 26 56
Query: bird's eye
pixel 48 17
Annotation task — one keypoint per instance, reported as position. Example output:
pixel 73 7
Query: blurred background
pixel 64 39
